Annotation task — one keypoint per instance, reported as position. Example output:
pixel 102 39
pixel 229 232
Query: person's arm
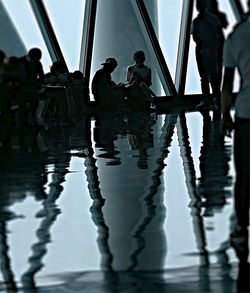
pixel 149 78
pixel 129 74
pixel 226 124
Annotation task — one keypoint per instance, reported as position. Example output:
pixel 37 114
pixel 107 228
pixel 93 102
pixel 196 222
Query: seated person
pixel 80 90
pixel 105 90
pixel 139 79
pixel 58 75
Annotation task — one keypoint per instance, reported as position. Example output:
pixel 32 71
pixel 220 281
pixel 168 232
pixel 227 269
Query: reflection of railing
pixel 189 171
pixel 96 209
pixel 50 213
pixel 5 261
pixel 168 131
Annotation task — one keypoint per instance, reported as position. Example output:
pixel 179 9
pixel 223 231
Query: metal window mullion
pixel 183 47
pixel 154 46
pixel 47 31
pixel 88 37
pixel 237 9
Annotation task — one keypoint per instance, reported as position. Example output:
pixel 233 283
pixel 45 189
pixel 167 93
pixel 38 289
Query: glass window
pixel 169 27
pixel 25 23
pixel 67 20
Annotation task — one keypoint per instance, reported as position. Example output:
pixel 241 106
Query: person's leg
pixel 203 80
pixel 239 238
pixel 241 159
pixel 203 73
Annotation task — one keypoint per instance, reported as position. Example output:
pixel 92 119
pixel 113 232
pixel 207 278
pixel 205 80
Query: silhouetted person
pixel 32 66
pixel 2 57
pixel 32 78
pixel 236 56
pixel 213 8
pixel 80 90
pixel 206 30
pixel 58 74
pixel 106 92
pixel 139 79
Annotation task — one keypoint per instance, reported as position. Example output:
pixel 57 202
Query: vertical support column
pixel 154 46
pixel 88 38
pixel 47 31
pixel 237 9
pixel 183 47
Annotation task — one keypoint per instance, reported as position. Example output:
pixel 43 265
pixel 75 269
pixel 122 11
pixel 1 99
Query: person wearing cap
pixel 139 79
pixel 105 90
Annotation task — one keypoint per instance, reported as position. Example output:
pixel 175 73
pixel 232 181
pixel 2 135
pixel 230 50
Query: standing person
pixel 106 92
pixel 31 79
pixel 2 58
pixel 214 9
pixel 206 30
pixel 236 56
pixel 32 66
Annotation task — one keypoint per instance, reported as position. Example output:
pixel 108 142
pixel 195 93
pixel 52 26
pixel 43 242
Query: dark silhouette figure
pixel 32 77
pixel 106 92
pixel 208 36
pixel 236 55
pixel 139 80
pixel 32 66
pixel 58 74
pixel 2 57
pixel 80 91
pixel 213 8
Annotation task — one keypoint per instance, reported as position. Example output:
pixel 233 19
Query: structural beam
pixel 183 47
pixel 237 9
pixel 47 31
pixel 154 46
pixel 88 32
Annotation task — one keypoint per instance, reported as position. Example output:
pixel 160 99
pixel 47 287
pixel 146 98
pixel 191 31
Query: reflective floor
pixel 118 203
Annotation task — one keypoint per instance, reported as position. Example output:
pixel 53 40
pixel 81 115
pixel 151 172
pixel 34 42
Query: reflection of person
pixel 139 78
pixel 236 55
pixel 207 31
pixel 104 89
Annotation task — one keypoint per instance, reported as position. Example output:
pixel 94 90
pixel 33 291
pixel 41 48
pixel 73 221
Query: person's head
pixel 13 60
pixel 2 56
pixel 77 75
pixel 35 54
pixel 212 5
pixel 200 5
pixel 110 64
pixel 139 57
pixel 57 67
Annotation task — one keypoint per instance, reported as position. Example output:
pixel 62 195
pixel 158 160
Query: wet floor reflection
pixel 116 192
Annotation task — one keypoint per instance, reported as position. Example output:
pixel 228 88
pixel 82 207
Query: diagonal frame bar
pixel 88 32
pixel 237 9
pixel 183 47
pixel 47 31
pixel 154 46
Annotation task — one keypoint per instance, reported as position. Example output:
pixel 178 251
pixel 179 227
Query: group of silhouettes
pixel 23 82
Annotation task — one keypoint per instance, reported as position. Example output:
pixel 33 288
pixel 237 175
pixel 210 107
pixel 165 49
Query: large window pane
pixel 67 19
pixel 23 18
pixel 169 27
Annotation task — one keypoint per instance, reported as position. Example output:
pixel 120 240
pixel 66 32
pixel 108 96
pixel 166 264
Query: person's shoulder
pixel 244 22
pixel 147 68
pixel 131 67
pixel 237 29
